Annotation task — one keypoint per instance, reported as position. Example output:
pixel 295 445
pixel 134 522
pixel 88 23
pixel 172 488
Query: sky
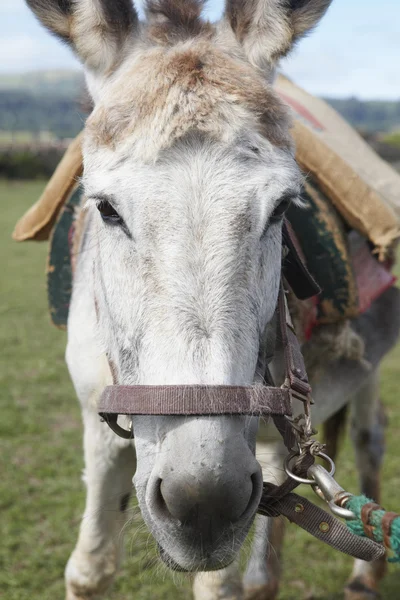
pixel 355 51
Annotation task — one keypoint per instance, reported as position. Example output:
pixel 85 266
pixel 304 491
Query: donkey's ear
pixel 268 29
pixel 97 30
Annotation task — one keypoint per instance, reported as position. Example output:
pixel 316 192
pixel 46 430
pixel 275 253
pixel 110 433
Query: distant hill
pixel 369 116
pixel 67 84
pixel 49 101
pixel 42 101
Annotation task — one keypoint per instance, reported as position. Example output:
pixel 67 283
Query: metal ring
pixel 289 472
pixel 111 420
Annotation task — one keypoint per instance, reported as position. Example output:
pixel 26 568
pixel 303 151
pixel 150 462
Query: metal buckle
pixel 327 488
pixel 305 398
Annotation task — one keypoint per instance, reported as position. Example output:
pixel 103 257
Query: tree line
pixel 25 114
pixel 21 110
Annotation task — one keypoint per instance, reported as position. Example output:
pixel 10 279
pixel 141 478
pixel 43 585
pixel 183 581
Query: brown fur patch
pixel 193 86
pixel 240 14
pixel 175 20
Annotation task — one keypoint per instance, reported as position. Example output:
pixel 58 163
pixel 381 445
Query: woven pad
pixel 59 267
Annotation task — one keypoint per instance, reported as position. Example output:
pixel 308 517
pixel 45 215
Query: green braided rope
pixel 355 504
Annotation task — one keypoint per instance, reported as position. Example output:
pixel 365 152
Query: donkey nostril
pixel 159 503
pixel 180 498
pixel 193 501
pixel 257 487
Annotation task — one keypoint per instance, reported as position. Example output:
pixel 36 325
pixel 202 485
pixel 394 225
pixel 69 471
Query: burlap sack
pixel 363 187
pixel 37 223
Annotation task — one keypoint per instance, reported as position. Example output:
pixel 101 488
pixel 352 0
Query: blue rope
pixel 355 504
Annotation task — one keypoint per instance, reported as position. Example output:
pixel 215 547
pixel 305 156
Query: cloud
pixel 27 53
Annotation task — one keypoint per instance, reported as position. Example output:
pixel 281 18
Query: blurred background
pixel 352 60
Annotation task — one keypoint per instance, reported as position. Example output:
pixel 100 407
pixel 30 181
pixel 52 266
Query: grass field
pixel 25 137
pixel 41 493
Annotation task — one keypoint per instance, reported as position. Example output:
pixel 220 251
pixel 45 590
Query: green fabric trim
pixel 323 240
pixel 355 504
pixel 59 268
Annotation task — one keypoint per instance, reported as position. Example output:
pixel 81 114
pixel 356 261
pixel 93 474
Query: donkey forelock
pixel 163 93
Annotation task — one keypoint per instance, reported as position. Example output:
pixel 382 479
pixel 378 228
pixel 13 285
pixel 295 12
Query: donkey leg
pixel 367 429
pixel 110 466
pixel 110 461
pixel 262 576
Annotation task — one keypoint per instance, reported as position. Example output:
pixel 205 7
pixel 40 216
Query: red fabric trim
pixel 311 317
pixel 302 111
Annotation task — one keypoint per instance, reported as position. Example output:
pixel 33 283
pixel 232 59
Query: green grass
pixel 41 493
pixel 393 139
pixel 25 137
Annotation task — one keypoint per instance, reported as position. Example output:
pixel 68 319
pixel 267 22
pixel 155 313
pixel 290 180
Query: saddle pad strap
pixel 295 369
pixel 295 268
pixel 194 400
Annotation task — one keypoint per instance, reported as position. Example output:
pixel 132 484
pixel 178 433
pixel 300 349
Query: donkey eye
pixel 280 209
pixel 108 213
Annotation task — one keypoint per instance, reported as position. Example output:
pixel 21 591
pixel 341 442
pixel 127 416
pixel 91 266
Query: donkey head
pixel 188 171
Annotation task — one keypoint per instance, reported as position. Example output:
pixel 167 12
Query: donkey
pixel 188 170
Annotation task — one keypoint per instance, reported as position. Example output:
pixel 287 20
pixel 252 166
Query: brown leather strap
pixel 273 494
pixel 321 525
pixel 295 270
pixel 286 431
pixel 386 523
pixel 194 400
pixel 366 511
pixel 295 369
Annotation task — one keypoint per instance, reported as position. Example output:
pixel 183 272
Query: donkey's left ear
pixel 268 29
pixel 99 31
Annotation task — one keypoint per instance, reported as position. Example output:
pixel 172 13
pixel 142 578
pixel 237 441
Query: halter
pixel 272 401
pixel 199 400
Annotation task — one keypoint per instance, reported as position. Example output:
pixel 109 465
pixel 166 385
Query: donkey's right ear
pixel 99 31
pixel 268 29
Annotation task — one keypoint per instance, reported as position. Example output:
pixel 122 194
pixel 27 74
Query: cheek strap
pixel 294 266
